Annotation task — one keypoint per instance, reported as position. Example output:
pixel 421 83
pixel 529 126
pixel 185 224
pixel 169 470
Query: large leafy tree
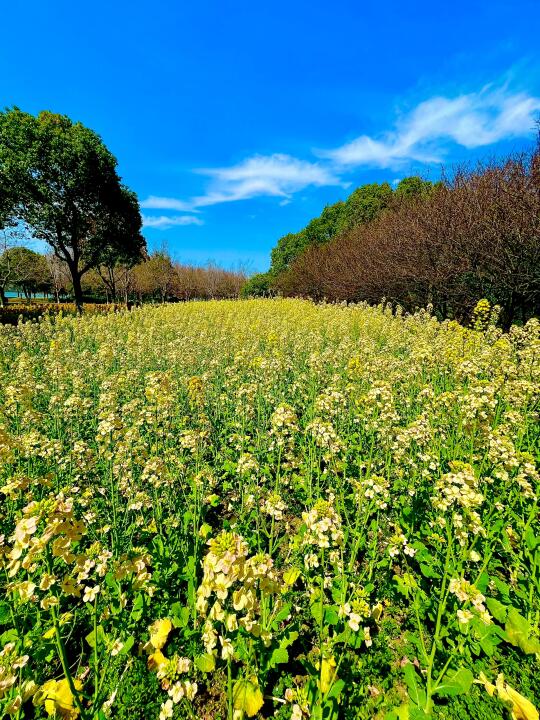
pixel 58 178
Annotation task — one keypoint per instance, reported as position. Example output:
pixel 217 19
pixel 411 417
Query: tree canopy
pixel 59 179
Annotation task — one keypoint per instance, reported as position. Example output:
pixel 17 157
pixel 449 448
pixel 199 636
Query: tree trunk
pixel 2 297
pixel 77 289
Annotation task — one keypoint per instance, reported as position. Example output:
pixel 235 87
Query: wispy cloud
pixel 165 222
pixel 258 176
pixel 264 175
pixel 165 203
pixel 473 120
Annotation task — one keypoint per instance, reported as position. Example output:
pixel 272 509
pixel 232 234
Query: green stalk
pixel 65 665
pixel 230 710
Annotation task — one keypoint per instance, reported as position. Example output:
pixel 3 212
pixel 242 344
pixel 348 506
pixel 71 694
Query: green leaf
pixel 179 615
pixel 455 683
pixel 488 635
pixel 331 616
pixel 126 647
pixel 400 713
pixel 282 615
pixel 280 656
pixel 351 638
pixel 8 636
pixel 483 582
pixel 317 612
pixel 428 572
pixel 417 713
pixel 5 614
pixel 413 682
pixel 138 607
pixel 206 663
pixel 99 635
pixel 531 540
pixel 405 583
pixel 520 634
pixel 336 690
pixel 288 639
pixel 502 587
pixel 497 609
pixel 415 640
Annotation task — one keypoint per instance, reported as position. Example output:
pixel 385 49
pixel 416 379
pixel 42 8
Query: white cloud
pixel 165 222
pixel 472 120
pixel 165 203
pixel 263 175
pixel 258 176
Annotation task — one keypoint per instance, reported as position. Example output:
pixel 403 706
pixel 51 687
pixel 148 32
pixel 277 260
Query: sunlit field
pixel 268 508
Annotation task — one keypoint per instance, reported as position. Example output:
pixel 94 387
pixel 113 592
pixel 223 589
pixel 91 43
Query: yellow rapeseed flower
pixel 58 699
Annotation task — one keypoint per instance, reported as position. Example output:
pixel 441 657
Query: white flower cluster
pixel 398 543
pixel 247 464
pixel 274 506
pixel 325 436
pixel 374 489
pixel 323 530
pixel 330 402
pixel 457 492
pixel 284 424
pixel 237 582
pixel 468 593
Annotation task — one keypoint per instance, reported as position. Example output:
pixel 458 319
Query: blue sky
pixel 236 122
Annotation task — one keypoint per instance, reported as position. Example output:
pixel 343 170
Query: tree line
pixel 155 278
pixel 363 206
pixel 475 234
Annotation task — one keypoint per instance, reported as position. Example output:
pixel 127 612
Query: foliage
pixel 269 508
pixel 288 248
pixel 156 278
pixel 23 269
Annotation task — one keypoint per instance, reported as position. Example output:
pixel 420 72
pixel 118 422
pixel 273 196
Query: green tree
pixel 258 285
pixel 59 179
pixel 324 228
pixel 414 186
pixel 365 204
pixel 288 248
pixel 362 206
